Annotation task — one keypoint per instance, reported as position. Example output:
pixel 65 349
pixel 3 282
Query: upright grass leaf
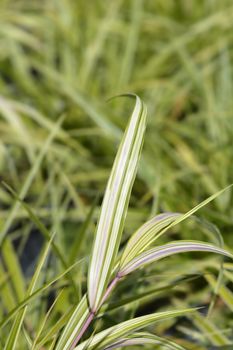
pixel 11 262
pixel 43 323
pixel 109 228
pixel 29 179
pixel 39 224
pixel 114 206
pixel 8 299
pixel 74 325
pixel 163 251
pixel 11 342
pixel 54 330
pixel 113 334
pixel 33 295
pixel 223 291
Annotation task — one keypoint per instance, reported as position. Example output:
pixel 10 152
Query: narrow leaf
pixel 14 333
pixel 36 293
pixel 74 325
pixel 156 227
pixel 31 176
pixel 47 235
pixel 12 264
pixel 163 251
pixel 114 206
pixel 108 336
pixel 144 236
pixel 144 338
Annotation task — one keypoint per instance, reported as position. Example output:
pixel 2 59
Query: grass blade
pixel 30 177
pixel 36 293
pixel 144 236
pixel 14 333
pixel 12 264
pixel 144 338
pixel 163 251
pixel 108 336
pixel 156 227
pixel 74 325
pixel 114 206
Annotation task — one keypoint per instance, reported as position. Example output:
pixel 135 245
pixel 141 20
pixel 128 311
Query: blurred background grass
pixel 64 59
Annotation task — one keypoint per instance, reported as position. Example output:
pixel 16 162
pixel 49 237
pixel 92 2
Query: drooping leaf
pixel 163 251
pixel 144 338
pixel 145 235
pixel 156 227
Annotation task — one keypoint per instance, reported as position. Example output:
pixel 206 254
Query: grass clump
pixel 59 61
pixel 106 267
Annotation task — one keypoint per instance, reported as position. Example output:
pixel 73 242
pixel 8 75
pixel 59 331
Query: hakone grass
pixel 59 62
pixel 106 268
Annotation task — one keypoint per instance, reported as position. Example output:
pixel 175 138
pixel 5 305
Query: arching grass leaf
pixel 145 338
pixel 145 235
pixel 163 251
pixel 156 227
pixel 115 333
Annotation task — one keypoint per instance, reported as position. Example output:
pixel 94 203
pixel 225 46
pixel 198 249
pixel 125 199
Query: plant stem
pixel 111 286
pixel 92 313
pixel 83 330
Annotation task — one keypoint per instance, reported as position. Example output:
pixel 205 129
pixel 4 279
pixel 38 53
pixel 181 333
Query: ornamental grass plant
pixel 90 248
pixel 107 265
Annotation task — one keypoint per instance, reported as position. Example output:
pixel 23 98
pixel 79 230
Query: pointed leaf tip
pixel 114 207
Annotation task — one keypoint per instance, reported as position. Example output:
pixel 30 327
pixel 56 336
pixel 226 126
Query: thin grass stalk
pixel 93 313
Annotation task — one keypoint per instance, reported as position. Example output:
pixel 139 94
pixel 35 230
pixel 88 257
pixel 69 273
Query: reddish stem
pixel 83 330
pixel 111 286
pixel 92 313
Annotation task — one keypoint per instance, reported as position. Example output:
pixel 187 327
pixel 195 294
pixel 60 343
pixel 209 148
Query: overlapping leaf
pixel 145 235
pixel 74 325
pixel 156 227
pixel 115 333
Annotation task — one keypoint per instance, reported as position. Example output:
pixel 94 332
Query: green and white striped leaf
pixel 115 333
pixel 74 325
pixel 145 235
pixel 114 207
pixel 144 338
pixel 156 227
pixel 163 251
